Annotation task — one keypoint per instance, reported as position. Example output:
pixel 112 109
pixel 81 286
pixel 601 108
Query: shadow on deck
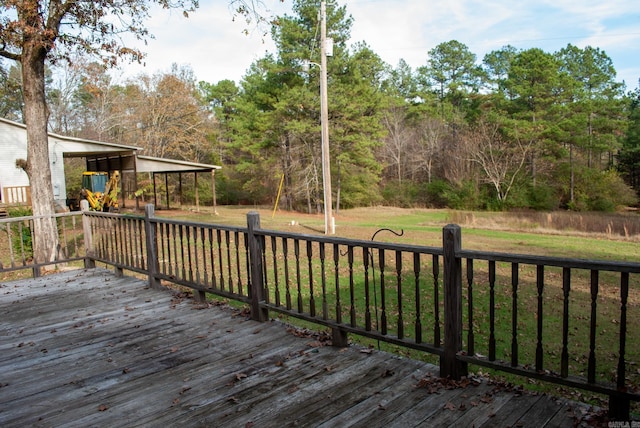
pixel 87 348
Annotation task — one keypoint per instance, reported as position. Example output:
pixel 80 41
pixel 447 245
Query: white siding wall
pixel 13 145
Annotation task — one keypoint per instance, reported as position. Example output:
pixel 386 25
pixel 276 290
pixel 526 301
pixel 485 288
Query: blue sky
pixel 216 48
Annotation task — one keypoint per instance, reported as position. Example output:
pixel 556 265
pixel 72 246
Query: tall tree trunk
pixel 45 241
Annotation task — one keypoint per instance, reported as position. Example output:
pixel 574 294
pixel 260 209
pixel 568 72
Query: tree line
pixel 519 129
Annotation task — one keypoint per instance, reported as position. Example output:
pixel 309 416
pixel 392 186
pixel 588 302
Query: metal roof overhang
pixel 160 165
pixel 99 156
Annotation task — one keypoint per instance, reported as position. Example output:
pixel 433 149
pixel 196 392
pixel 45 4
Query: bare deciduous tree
pixel 501 160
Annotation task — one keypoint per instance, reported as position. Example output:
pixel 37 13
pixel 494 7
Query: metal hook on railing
pixel 373 237
pixel 373 272
pixel 387 230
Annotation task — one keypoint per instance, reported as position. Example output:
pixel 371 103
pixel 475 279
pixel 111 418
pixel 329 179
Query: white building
pixel 100 156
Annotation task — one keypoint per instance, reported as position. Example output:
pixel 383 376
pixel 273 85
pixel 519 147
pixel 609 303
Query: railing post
pixel 255 258
pixel 450 366
pixel 153 267
pixel 89 261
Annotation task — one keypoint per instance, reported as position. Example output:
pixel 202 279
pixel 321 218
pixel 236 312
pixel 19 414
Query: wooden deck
pixel 86 348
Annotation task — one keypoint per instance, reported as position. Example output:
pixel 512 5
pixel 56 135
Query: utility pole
pixel 329 225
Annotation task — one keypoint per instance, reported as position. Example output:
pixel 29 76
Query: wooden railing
pixel 17 237
pixel 565 321
pixel 16 195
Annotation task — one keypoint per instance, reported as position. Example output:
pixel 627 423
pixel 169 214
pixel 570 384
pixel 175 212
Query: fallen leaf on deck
pixel 388 373
pixel 102 408
pixel 450 406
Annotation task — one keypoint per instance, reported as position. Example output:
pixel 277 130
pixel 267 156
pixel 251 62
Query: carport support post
pixel 255 257
pixel 450 366
pixel 153 267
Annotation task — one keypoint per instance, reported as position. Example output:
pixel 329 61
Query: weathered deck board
pixel 86 348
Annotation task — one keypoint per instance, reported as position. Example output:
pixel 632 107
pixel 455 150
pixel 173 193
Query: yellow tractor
pixel 101 191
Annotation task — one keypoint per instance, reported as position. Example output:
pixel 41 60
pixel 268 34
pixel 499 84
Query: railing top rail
pixel 352 242
pixel 108 214
pixel 614 266
pixel 36 217
pixel 199 224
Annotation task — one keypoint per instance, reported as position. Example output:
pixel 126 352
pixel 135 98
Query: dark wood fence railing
pixel 566 321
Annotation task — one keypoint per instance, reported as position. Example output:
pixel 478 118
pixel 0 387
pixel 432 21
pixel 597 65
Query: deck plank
pixel 87 348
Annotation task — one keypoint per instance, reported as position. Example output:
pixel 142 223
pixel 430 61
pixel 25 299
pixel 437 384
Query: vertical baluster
pixel 205 270
pixel 10 239
pixel 619 407
pixel 113 240
pixel 296 253
pixel 399 293
pixel 336 270
pixel 323 274
pixel 133 237
pixel 416 273
pixel 133 243
pixel 470 334
pixel 212 259
pixel 98 244
pixel 75 236
pixel 22 251
pixel 591 371
pixel 165 242
pixel 514 315
pixel 436 300
pixel 274 255
pixel 130 241
pixel 189 245
pixel 141 248
pixel 62 221
pixel 125 241
pixel 196 259
pixel 312 301
pixel 265 279
pixel 238 267
pixel 100 234
pixel 624 295
pixel 287 281
pixel 492 310
pixel 247 262
pixel 183 260
pixel 227 240
pixel 107 240
pixel 383 304
pixel 174 240
pixel 367 299
pixel 122 237
pixel 115 254
pixel 136 243
pixel 220 264
pixel 539 348
pixel 566 286
pixel 352 298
